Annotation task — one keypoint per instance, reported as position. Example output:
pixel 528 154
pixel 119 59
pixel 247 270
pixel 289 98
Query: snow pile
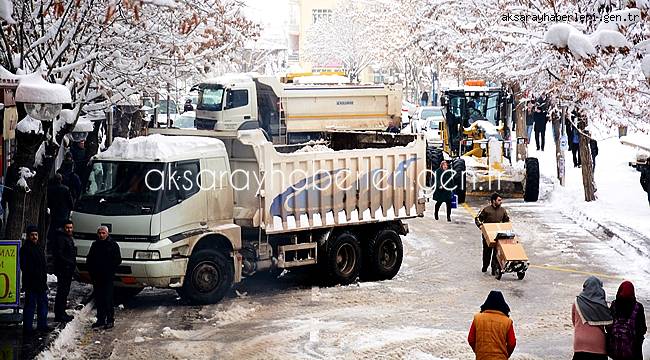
pixel 622 205
pixel 558 34
pixel 28 124
pixel 158 146
pixel 34 89
pixel 609 38
pixel 6 10
pixel 488 128
pixel 40 155
pixel 580 45
pixel 83 125
pixel 314 148
pixel 65 342
pixel 231 315
pixel 25 173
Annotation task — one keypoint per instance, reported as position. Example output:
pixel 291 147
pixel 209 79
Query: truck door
pixel 237 110
pixel 183 202
pixel 219 192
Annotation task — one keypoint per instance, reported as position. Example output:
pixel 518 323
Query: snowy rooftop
pixel 162 148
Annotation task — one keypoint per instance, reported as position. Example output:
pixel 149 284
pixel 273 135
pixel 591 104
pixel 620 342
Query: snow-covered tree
pixel 105 50
pixel 347 38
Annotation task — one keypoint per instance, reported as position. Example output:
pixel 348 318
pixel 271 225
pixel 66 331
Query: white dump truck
pixel 198 210
pixel 294 113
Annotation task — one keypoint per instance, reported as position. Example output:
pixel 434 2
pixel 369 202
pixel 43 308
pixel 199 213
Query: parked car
pixel 185 120
pixel 164 107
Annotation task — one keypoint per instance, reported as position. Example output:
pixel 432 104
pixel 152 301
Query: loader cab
pixel 473 102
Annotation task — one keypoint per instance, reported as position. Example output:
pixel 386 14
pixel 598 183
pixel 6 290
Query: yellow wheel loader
pixel 477 137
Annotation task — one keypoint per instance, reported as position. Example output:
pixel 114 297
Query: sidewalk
pixel 621 209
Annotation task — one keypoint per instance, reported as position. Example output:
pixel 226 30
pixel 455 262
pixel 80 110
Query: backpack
pixel 622 336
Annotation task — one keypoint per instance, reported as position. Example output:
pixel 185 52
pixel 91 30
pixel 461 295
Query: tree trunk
pixel 520 121
pixel 585 159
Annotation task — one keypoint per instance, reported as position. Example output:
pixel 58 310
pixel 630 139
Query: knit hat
pixel 30 229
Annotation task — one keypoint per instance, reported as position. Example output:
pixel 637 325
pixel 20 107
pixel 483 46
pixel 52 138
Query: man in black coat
pixel 33 267
pixel 64 254
pixel 645 178
pixel 59 200
pixel 70 178
pixel 103 259
pixel 540 118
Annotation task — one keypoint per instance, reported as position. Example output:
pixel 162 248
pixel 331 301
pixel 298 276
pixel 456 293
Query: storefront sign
pixel 9 274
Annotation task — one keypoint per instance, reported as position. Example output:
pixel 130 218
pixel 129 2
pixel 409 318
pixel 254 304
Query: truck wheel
pixel 343 260
pixel 531 191
pixel 382 256
pixel 434 157
pixel 124 294
pixel 208 278
pixel 460 179
pixel 520 275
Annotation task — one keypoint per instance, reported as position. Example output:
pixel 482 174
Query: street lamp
pixel 43 100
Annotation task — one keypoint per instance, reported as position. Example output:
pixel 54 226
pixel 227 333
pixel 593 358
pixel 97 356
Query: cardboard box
pixel 510 250
pixel 490 231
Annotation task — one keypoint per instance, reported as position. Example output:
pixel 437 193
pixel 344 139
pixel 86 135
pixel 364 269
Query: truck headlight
pixel 146 255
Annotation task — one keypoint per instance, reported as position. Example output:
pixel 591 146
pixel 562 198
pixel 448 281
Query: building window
pixel 318 14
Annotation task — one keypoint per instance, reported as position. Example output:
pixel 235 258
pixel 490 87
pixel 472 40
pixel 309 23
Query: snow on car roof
pixel 162 148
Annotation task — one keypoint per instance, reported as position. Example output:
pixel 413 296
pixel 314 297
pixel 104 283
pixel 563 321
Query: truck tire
pixel 383 255
pixel 460 179
pixel 343 260
pixel 531 190
pixel 208 278
pixel 434 158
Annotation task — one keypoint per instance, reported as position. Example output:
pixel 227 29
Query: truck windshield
pixel 210 97
pixel 121 188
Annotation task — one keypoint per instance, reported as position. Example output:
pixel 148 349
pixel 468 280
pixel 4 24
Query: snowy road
pixel 424 313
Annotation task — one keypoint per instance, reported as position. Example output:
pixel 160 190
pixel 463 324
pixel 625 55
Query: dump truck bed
pixel 318 186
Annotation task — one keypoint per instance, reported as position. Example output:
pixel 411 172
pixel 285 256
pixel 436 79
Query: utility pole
pixel 169 125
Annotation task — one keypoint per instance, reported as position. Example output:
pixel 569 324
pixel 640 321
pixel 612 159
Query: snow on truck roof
pixel 162 148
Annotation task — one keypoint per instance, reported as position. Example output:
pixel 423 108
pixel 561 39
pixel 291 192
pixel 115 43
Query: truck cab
pixel 156 208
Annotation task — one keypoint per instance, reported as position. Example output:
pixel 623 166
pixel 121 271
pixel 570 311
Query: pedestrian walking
pixel 493 213
pixel 103 259
pixel 540 119
pixel 574 146
pixel 645 178
pixel 590 315
pixel 34 269
pixel 593 149
pixel 65 264
pixel 444 183
pixel 424 99
pixel 492 334
pixel 530 121
pixel 625 335
pixel 188 106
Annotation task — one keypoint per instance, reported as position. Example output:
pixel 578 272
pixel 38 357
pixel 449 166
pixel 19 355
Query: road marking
pixel 551 267
pixel 469 209
pixel 557 268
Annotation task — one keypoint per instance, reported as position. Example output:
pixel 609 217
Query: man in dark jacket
pixel 33 267
pixel 645 178
pixel 493 213
pixel 392 128
pixel 539 117
pixel 70 178
pixel 59 200
pixel 64 254
pixel 593 147
pixel 103 259
pixel 188 106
